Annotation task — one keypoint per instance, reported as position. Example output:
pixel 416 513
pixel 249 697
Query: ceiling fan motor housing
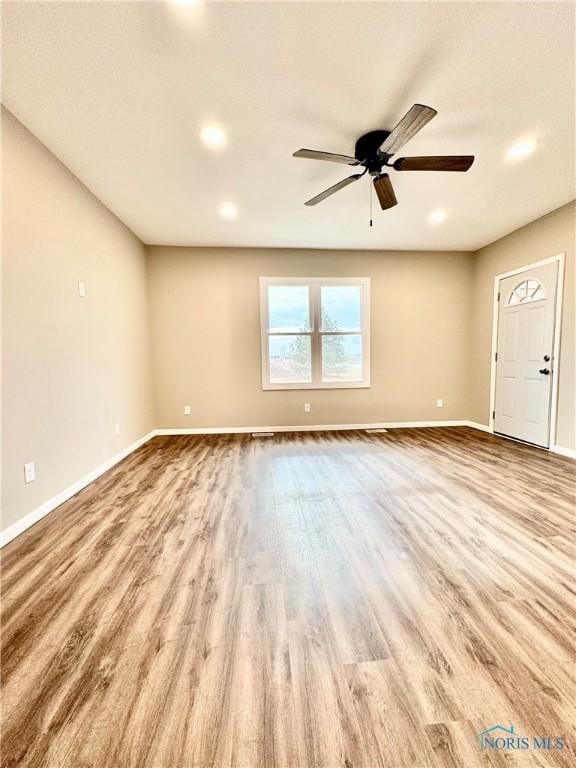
pixel 367 150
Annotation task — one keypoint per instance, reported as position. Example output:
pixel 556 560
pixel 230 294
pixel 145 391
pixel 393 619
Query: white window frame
pixel 314 285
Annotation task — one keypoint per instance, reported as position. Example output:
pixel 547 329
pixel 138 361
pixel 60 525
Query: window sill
pixel 309 385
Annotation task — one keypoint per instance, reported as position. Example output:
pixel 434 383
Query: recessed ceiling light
pixel 213 136
pixel 228 211
pixel 187 2
pixel 437 217
pixel 521 150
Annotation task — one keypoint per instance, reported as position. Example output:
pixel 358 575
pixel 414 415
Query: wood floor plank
pixel 314 600
pixel 389 716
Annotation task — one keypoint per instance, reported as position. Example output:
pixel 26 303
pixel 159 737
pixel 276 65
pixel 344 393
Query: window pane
pixel 290 359
pixel 341 307
pixel 342 358
pixel 288 308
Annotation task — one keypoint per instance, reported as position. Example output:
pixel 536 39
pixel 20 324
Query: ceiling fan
pixel 374 151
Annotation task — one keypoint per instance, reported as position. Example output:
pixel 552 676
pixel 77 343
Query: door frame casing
pixel 560 258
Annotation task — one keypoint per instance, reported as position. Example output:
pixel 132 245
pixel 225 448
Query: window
pixel 315 332
pixel 527 290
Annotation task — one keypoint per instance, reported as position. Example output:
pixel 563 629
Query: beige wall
pixel 72 366
pixel 206 336
pixel 548 236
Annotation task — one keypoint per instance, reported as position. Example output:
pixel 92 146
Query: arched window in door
pixel 526 291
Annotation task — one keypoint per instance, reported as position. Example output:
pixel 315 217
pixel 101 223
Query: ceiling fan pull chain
pixel 370 204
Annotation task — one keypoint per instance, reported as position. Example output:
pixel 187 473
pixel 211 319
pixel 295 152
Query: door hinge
pixel 493 414
pixel 498 299
pixel 495 356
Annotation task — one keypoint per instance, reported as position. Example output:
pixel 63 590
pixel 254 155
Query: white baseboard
pixel 310 427
pixel 37 514
pixel 477 425
pixel 569 452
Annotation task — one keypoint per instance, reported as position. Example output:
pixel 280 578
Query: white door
pixel 524 364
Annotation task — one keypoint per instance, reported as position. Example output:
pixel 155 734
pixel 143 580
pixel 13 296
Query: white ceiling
pixel 120 90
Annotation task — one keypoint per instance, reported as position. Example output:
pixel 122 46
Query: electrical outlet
pixel 117 428
pixel 439 403
pixel 81 288
pixel 307 407
pixel 29 472
pixel 187 410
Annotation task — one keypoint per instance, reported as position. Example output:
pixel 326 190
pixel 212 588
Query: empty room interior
pixel 288 384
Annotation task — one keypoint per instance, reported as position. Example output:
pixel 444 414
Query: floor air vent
pixel 376 430
pixel 262 434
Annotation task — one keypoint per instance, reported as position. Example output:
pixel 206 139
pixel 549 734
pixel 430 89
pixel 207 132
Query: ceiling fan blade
pixel 413 121
pixel 313 154
pixel 334 188
pixel 439 163
pixel 385 191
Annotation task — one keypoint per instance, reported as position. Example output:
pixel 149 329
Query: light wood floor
pixel 327 599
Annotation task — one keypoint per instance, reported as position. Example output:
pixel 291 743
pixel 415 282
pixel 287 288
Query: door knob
pixel 546 358
pixel 545 371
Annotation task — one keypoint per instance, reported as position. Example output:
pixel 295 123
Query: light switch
pixel 81 288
